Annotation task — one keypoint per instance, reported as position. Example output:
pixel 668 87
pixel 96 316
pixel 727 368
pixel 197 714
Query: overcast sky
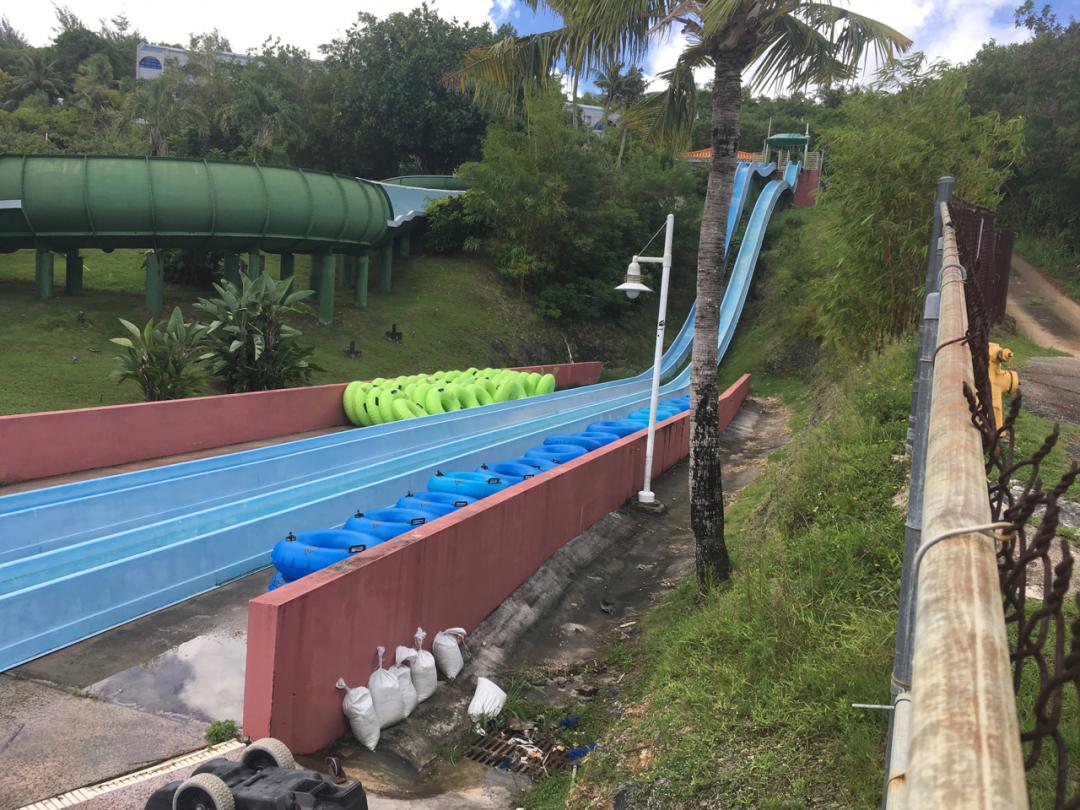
pixel 948 29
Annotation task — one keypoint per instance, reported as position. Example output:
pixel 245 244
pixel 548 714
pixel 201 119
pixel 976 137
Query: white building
pixel 152 60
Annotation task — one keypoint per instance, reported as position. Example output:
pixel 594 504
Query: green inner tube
pixel 371 405
pixel 386 406
pixel 433 401
pixel 546 384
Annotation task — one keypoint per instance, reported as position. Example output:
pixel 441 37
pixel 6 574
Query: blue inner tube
pixel 332 538
pixel 434 510
pixel 583 441
pixel 476 485
pixel 541 464
pixel 276 582
pixel 447 498
pixel 661 414
pixel 380 529
pixel 294 559
pixel 515 469
pixel 621 427
pixel 559 453
pixel 393 514
pixel 598 436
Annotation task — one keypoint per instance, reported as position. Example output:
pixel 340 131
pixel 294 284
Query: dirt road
pixel 1042 311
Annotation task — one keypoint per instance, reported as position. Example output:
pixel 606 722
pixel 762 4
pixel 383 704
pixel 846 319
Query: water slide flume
pixel 80 558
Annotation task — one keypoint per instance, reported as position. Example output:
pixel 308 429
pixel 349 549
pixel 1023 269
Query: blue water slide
pixel 80 558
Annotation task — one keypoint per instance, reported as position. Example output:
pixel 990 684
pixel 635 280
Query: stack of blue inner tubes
pixel 300 554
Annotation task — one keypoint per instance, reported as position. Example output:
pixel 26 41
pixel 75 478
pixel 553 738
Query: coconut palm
pixel 783 43
pixel 36 74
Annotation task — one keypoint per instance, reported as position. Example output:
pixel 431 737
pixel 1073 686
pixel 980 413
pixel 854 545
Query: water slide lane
pixel 87 583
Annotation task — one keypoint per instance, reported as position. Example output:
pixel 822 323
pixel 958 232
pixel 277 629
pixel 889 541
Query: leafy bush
pixel 163 358
pixel 252 347
pixel 456 224
pixel 221 731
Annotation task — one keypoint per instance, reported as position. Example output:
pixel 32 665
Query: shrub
pixel 456 224
pixel 221 731
pixel 252 347
pixel 163 358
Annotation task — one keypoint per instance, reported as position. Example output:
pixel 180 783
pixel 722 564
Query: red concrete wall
pixel 38 445
pixel 806 191
pixel 452 572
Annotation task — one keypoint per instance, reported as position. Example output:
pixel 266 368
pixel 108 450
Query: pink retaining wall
pixel 455 571
pixel 38 445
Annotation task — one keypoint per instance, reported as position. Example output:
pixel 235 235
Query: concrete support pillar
pixel 348 271
pixel 288 266
pixel 360 295
pixel 232 268
pixel 386 272
pixel 326 288
pixel 406 245
pixel 155 283
pixel 255 264
pixel 43 275
pixel 73 278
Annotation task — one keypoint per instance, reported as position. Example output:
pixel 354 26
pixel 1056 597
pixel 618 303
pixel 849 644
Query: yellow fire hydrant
pixel 1002 380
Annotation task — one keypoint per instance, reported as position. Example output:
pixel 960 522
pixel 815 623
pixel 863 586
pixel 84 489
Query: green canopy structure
pixel 788 140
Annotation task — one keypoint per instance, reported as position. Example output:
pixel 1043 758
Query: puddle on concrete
pixel 202 678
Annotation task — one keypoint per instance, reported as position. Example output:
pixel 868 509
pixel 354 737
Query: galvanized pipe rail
pixel 964 744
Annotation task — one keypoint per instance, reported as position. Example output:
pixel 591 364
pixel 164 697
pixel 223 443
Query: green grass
pixel 56 354
pixel 744 700
pixel 1051 255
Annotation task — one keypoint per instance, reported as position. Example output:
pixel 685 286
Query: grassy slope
pixel 744 700
pixel 450 310
pixel 1053 258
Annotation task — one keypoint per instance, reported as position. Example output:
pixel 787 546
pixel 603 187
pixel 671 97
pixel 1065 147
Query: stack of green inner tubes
pixel 390 400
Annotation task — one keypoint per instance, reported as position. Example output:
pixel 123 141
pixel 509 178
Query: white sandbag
pixel 424 675
pixel 488 700
pixel 386 694
pixel 447 651
pixel 403 654
pixel 408 691
pixel 360 710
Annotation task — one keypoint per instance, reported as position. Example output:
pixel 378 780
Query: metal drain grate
pixel 537 757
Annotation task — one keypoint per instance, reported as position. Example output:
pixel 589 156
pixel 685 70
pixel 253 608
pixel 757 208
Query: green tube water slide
pixel 65 203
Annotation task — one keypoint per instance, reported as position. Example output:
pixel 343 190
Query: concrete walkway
pixel 1042 311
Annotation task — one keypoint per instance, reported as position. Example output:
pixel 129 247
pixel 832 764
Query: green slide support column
pixel 360 296
pixel 288 265
pixel 43 275
pixel 313 280
pixel 326 288
pixel 155 283
pixel 73 280
pixel 386 272
pixel 232 268
pixel 406 246
pixel 255 264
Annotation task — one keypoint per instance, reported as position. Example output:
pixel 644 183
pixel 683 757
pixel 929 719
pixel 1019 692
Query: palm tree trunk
pixel 706 481
pixel 573 100
pixel 622 147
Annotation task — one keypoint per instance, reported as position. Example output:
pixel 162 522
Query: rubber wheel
pixel 203 791
pixel 267 753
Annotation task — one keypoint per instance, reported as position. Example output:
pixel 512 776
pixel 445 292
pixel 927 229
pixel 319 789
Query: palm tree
pixel 37 74
pixel 785 42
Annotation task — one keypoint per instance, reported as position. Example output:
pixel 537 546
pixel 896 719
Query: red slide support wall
pixel 38 445
pixel 302 637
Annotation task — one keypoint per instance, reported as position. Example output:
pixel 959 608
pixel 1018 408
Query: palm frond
pixel 497 73
pixel 667 117
pixel 820 43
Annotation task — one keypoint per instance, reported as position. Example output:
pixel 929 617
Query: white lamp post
pixel 633 287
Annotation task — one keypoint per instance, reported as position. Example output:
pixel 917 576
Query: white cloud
pixel 245 24
pixel 944 29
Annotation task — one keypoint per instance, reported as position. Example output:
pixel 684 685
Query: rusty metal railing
pixel 959 743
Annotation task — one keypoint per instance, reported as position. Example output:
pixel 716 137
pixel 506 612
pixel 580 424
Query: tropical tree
pixel 783 42
pixel 37 74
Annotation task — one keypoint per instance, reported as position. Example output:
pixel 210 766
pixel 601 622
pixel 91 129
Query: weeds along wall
pixel 303 636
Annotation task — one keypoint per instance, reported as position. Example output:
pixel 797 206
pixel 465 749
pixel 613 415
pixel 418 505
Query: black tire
pixel 267 753
pixel 203 791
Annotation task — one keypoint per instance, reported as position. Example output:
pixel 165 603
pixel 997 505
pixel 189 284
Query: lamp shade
pixel 632 286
